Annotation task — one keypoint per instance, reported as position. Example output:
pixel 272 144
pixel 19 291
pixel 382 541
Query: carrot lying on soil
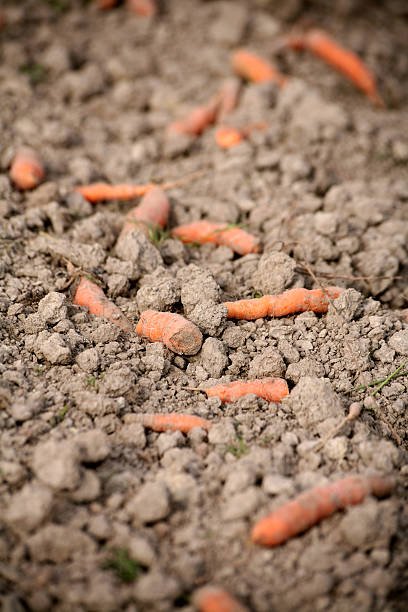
pixel 316 504
pixel 105 4
pixel 346 62
pixel 289 302
pixel 166 422
pixel 200 232
pixel 216 599
pixel 153 211
pixel 27 169
pixel 254 68
pixel 91 295
pixel 270 389
pixel 196 120
pixel 144 8
pixel 227 137
pixel 177 333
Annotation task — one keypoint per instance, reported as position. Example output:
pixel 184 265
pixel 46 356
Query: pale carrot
pixel 166 422
pixel 316 504
pixel 153 211
pixel 201 232
pixel 144 8
pixel 91 295
pixel 270 389
pixel 254 68
pixel 216 599
pixel 289 302
pixel 27 169
pixel 177 333
pixel 346 62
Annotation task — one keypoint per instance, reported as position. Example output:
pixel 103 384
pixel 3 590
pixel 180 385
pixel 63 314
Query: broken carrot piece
pixel 270 389
pixel 91 295
pixel 171 422
pixel 289 302
pixel 316 504
pixel 227 137
pixel 177 333
pixel 201 232
pixel 27 169
pixel 254 68
pixel 153 211
pixel 216 599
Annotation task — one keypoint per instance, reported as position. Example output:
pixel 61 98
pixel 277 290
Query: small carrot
pixel 346 62
pixel 197 119
pixel 254 68
pixel 169 422
pixel 216 599
pixel 27 169
pixel 153 211
pixel 200 232
pixel 227 137
pixel 177 333
pixel 95 192
pixel 91 295
pixel 144 8
pixel 316 504
pixel 270 389
pixel 289 302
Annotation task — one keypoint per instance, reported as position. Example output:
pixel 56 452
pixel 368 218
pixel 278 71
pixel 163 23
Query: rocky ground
pixel 98 513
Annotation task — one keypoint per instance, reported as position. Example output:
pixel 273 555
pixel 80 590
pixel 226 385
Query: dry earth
pixel 88 497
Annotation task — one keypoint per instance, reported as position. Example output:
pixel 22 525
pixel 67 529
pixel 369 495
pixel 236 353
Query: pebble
pixel 150 504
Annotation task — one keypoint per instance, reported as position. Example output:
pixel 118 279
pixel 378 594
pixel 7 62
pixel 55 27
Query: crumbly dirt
pixel 325 187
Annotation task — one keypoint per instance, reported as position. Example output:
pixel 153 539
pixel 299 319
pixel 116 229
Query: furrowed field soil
pixel 99 513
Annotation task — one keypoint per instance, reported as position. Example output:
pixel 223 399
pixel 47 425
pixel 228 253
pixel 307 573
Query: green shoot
pixel 390 377
pixel 126 568
pixel 238 449
pixel 377 382
pixel 35 72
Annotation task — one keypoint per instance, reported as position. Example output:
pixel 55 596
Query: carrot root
pixel 216 599
pixel 177 333
pixel 27 170
pixel 153 211
pixel 254 68
pixel 270 389
pixel 91 295
pixel 201 232
pixel 172 422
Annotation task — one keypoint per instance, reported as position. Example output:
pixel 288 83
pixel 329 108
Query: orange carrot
pixel 153 211
pixel 145 8
pixel 254 68
pixel 346 62
pixel 316 504
pixel 169 422
pixel 216 599
pixel 270 389
pixel 197 120
pixel 27 170
pixel 177 333
pixel 289 302
pixel 91 295
pixel 227 137
pixel 200 232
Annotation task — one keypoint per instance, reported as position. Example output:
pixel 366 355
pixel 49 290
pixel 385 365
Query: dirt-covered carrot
pixel 177 333
pixel 254 68
pixel 27 169
pixel 166 422
pixel 144 8
pixel 316 504
pixel 216 599
pixel 153 211
pixel 289 302
pixel 91 295
pixel 270 389
pixel 343 60
pixel 200 232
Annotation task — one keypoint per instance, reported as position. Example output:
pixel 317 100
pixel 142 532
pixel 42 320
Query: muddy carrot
pixel 289 302
pixel 316 504
pixel 254 68
pixel 216 599
pixel 200 232
pixel 144 8
pixel 177 333
pixel 91 295
pixel 166 422
pixel 27 170
pixel 346 62
pixel 153 211
pixel 270 389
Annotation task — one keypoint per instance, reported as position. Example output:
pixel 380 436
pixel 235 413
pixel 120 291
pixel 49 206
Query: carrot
pixel 216 599
pixel 177 333
pixel 95 192
pixel 254 68
pixel 200 232
pixel 166 422
pixel 289 302
pixel 106 4
pixel 27 170
pixel 91 295
pixel 270 389
pixel 316 504
pixel 153 211
pixel 227 137
pixel 346 62
pixel 197 119
pixel 145 8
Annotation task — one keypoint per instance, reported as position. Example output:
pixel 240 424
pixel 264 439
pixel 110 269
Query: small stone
pixel 241 504
pixel 150 504
pixel 93 446
pixel 57 544
pixel 29 507
pixel 88 360
pixel 56 463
